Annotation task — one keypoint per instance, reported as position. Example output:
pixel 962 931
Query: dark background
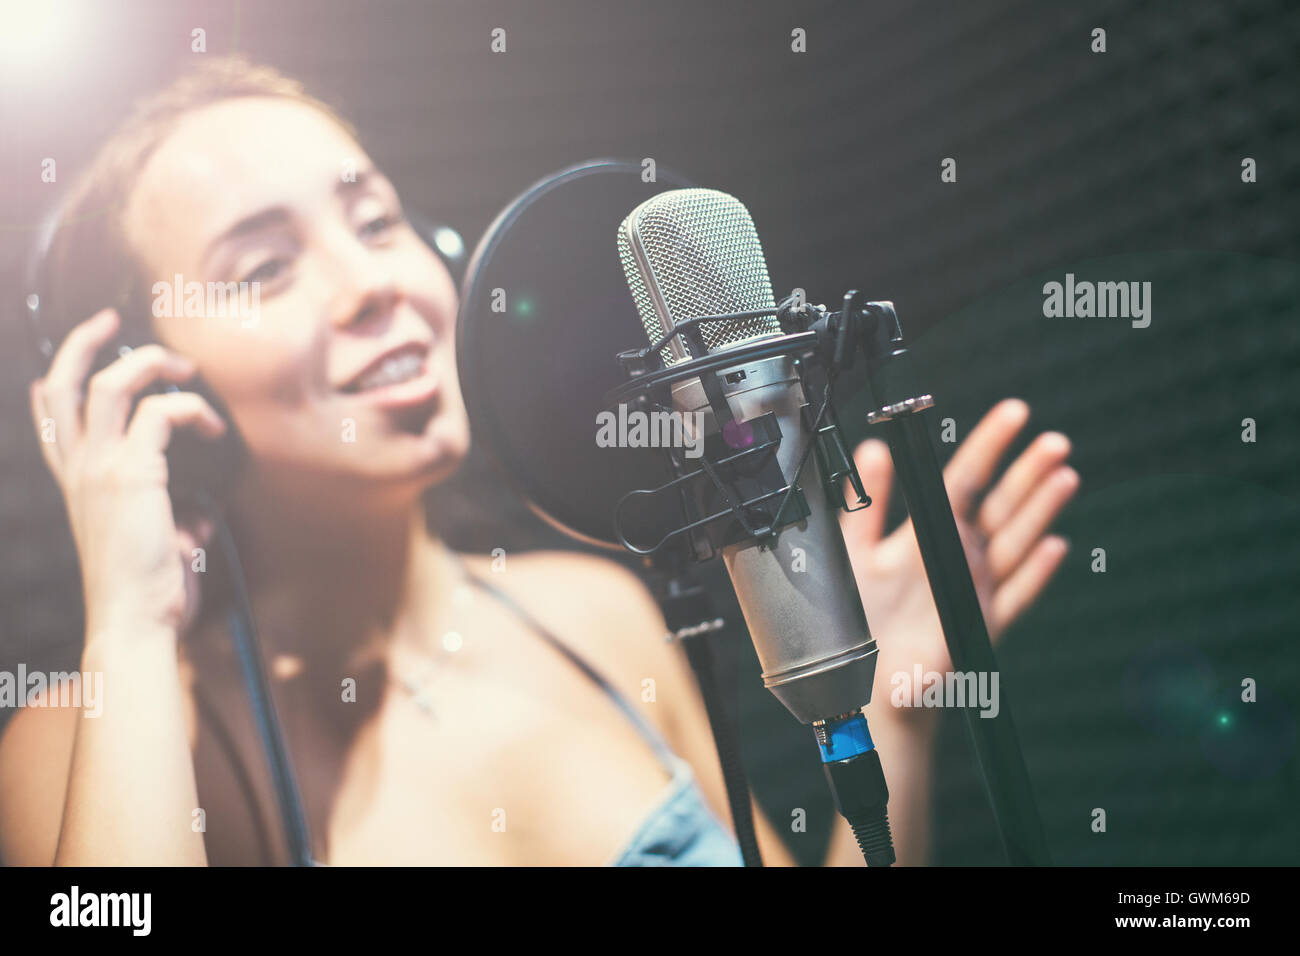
pixel 1122 166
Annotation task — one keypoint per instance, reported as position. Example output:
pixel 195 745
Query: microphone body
pixel 797 593
pixel 694 252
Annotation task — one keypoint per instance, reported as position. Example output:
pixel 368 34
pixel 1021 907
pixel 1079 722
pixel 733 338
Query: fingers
pixel 61 389
pixel 1022 588
pixel 1014 539
pixel 876 469
pixel 1038 460
pixel 48 441
pixel 113 390
pixel 108 395
pixel 972 466
pixel 157 416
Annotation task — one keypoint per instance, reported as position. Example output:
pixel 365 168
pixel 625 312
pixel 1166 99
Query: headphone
pixel 199 471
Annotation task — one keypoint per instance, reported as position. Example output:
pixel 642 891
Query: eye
pixel 268 271
pixel 381 224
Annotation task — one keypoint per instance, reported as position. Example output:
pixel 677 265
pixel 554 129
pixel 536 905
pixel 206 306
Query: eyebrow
pixel 278 215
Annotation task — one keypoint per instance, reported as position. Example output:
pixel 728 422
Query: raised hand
pixel 108 456
pixel 1012 557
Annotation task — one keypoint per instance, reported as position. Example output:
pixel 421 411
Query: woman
pixel 427 719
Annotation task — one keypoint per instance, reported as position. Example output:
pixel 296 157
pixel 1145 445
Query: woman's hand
pixel 1011 556
pixel 111 467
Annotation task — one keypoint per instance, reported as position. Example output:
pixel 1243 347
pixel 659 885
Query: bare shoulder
pixel 608 615
pixel 593 594
pixel 35 757
pixel 605 613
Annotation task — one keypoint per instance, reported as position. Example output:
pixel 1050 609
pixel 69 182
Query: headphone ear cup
pixel 35 305
pixel 445 241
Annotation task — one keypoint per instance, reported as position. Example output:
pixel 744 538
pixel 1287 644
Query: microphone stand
pixel 901 415
pixel 692 619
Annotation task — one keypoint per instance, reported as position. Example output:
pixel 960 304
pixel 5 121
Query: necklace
pixel 418 683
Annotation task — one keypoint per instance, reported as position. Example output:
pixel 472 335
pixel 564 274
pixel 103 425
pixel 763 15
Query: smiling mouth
pixel 397 369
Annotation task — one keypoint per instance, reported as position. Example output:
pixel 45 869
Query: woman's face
pixel 339 366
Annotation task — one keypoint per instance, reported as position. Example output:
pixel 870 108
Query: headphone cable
pixel 243 633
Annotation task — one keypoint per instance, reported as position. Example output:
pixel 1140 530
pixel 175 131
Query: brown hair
pixel 90 264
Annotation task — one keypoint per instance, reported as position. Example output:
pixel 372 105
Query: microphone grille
pixel 693 252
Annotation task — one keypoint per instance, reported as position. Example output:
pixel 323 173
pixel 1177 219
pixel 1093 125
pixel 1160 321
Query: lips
pixel 394 367
pixel 401 378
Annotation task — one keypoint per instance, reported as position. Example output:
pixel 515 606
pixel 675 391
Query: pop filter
pixel 544 310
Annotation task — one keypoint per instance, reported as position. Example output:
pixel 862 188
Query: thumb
pixel 876 469
pixel 192 537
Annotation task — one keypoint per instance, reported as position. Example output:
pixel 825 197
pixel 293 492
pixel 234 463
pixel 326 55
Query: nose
pixel 367 287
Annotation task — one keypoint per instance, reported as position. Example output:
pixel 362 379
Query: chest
pixel 505 755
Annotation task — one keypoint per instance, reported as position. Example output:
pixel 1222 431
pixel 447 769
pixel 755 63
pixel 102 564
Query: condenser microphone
pixel 689 253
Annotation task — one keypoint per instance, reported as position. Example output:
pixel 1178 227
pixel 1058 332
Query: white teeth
pixel 399 368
